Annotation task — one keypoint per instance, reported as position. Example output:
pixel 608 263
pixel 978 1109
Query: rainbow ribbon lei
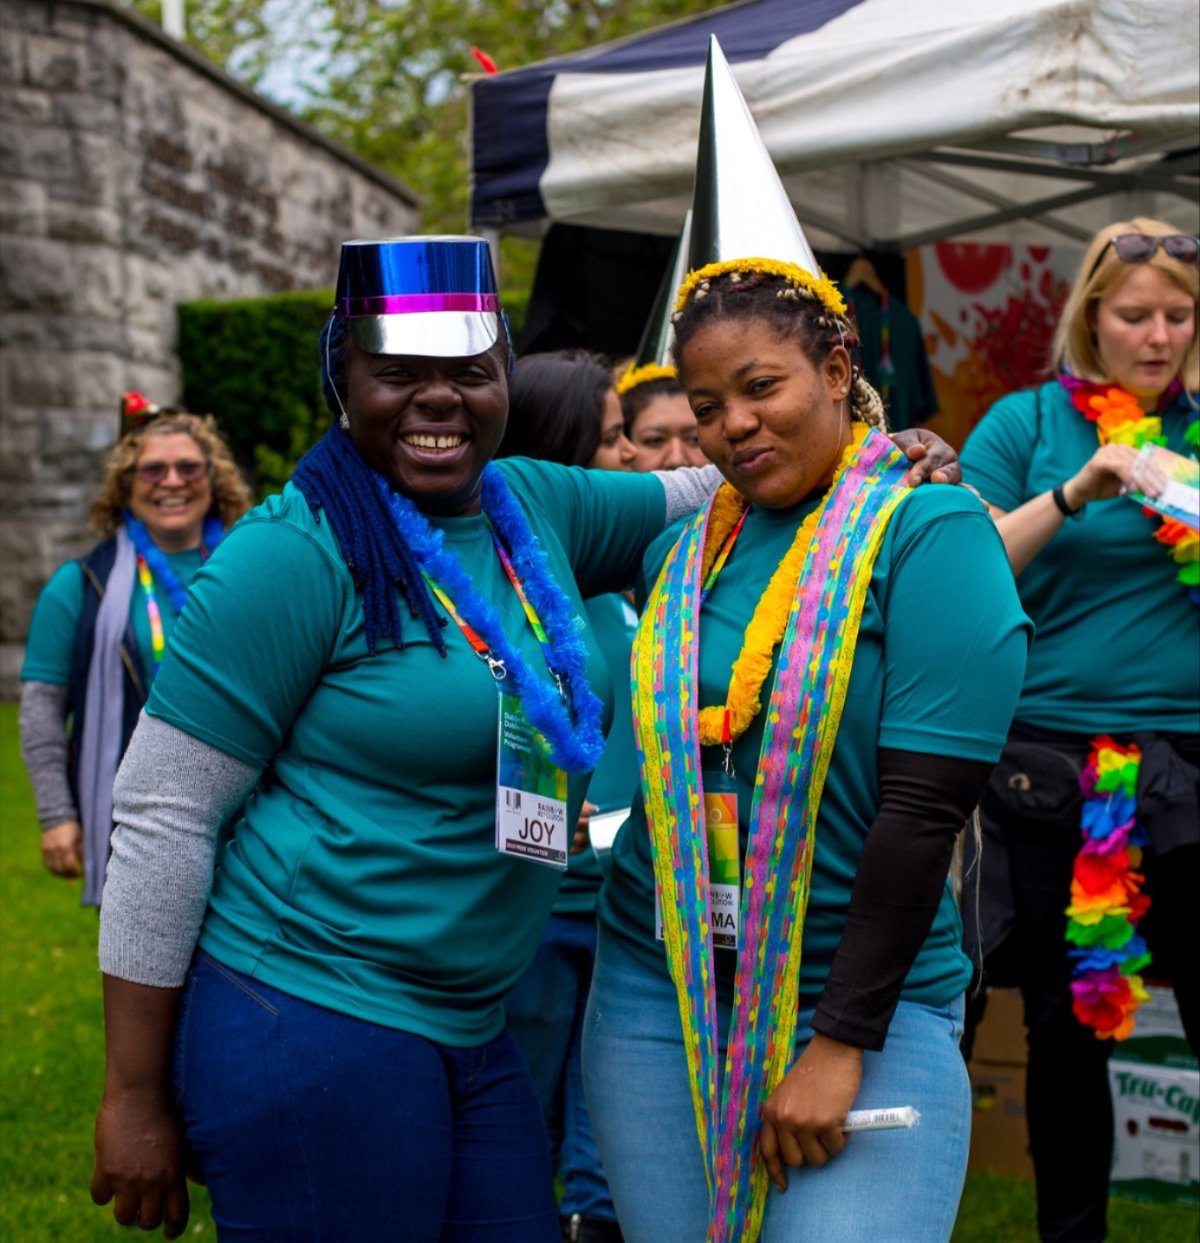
pixel 803 715
pixel 1107 901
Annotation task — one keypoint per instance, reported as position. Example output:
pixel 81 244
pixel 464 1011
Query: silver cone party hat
pixel 653 358
pixel 740 210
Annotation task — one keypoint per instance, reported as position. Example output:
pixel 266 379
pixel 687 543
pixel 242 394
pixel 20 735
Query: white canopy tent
pixel 893 122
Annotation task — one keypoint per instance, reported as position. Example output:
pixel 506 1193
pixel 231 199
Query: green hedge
pixel 253 365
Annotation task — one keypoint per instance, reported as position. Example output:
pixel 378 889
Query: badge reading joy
pixel 531 792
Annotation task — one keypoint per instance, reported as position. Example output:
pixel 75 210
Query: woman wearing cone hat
pixel 823 676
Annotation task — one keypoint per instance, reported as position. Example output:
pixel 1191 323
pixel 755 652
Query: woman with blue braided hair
pixel 379 713
pixel 97 635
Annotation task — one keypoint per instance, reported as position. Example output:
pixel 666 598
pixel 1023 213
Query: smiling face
pixel 428 425
pixel 614 452
pixel 772 422
pixel 665 436
pixel 170 490
pixel 1144 326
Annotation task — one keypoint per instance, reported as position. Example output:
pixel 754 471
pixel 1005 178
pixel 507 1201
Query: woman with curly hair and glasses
pixel 170 491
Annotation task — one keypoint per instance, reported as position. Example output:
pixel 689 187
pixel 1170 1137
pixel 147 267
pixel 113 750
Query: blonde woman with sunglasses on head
pixel 169 492
pixel 1103 756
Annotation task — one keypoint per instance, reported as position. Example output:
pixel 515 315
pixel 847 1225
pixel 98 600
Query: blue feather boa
pixel 575 745
pixel 156 559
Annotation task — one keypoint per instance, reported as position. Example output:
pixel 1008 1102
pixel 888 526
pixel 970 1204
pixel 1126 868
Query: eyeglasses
pixel 186 471
pixel 1140 248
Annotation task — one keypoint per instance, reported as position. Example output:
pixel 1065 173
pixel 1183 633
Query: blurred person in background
pixel 99 630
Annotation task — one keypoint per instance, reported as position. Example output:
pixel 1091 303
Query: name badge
pixel 724 862
pixel 531 792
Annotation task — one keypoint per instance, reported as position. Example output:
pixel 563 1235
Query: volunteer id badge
pixel 531 792
pixel 724 866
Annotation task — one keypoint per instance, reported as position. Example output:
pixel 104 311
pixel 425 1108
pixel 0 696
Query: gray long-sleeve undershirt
pixel 45 748
pixel 687 488
pixel 172 795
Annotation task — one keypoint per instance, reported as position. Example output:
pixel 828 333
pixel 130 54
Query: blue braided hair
pixel 334 478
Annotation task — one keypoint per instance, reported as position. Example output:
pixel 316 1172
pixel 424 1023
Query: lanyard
pixel 153 613
pixel 719 564
pixel 478 645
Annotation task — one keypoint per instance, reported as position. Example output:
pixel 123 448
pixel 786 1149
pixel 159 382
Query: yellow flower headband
pixel 643 375
pixel 821 287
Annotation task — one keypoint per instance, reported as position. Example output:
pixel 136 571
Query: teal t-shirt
pixel 937 669
pixel 613 783
pixel 55 620
pixel 1118 640
pixel 362 874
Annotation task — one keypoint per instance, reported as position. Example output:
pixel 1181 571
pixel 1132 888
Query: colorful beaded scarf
pixel 153 567
pixel 576 745
pixel 1106 898
pixel 803 715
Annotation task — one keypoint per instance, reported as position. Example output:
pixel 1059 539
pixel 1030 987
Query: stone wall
pixel 133 175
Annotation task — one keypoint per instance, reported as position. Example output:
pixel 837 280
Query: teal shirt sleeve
pixel 604 519
pixel 951 611
pixel 998 452
pixel 259 628
pixel 51 639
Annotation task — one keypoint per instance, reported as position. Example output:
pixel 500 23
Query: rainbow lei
pixel 803 715
pixel 1120 420
pixel 1106 896
pixel 575 745
pixel 1107 902
pixel 152 566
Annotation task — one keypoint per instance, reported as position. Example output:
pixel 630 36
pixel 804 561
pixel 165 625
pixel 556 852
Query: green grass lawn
pixel 51 1066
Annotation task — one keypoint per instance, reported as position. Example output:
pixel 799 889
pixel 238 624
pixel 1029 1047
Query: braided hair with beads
pixel 793 310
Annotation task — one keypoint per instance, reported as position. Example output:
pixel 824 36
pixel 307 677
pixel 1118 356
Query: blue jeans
pixel 311 1125
pixel 545 1015
pixel 886 1186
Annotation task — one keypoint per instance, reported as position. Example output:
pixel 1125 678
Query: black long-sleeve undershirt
pixel 924 802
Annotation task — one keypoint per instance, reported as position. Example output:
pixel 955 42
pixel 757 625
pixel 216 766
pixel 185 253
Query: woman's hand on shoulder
pixel 1107 473
pixel 934 461
pixel 62 849
pixel 139 1162
pixel 802 1120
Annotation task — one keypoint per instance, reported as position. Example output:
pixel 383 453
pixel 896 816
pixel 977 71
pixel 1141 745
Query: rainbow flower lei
pixel 1120 420
pixel 1107 901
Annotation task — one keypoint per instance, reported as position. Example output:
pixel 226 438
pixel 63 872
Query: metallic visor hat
pixel 432 296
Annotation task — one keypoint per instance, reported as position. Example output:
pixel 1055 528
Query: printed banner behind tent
pixel 989 314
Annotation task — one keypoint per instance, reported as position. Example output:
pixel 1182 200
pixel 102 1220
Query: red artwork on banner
pixel 989 314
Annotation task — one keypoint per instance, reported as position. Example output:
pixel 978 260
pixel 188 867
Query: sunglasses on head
pixel 187 471
pixel 1140 248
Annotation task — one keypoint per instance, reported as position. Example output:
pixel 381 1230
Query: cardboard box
pixel 1156 1150
pixel 1158 1038
pixel 1000 1037
pixel 999 1132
